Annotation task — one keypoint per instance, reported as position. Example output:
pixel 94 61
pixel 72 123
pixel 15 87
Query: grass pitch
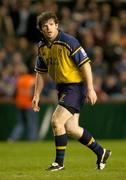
pixel 28 161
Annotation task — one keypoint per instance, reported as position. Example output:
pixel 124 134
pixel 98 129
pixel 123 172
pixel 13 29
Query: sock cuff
pixel 86 138
pixel 61 141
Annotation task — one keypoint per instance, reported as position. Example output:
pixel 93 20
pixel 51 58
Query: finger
pixel 36 108
pixel 93 101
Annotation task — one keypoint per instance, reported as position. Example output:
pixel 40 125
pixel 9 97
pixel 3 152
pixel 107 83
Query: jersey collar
pixel 58 36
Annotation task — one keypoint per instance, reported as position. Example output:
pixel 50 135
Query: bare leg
pixel 59 119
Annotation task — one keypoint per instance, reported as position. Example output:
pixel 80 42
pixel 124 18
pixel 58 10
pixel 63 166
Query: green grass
pixel 27 161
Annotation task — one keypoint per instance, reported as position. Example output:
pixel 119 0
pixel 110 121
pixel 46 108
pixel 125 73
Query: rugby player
pixel 62 57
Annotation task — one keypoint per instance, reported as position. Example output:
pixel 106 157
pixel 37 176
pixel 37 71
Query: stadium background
pixel 100 26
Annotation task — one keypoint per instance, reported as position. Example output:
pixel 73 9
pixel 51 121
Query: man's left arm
pixel 87 76
pixel 80 58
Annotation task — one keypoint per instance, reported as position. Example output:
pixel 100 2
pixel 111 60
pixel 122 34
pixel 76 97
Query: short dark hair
pixel 45 16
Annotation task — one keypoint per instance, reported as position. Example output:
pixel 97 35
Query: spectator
pixel 120 66
pixel 101 94
pixel 87 41
pixel 99 66
pixel 122 81
pixel 6 25
pixel 111 86
pixel 27 119
pixel 20 17
pixel 106 15
pixel 7 82
pixel 66 18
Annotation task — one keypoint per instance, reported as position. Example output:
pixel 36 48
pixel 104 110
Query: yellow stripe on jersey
pixel 92 140
pixel 84 61
pixel 76 51
pixel 40 69
pixel 40 72
pixel 60 147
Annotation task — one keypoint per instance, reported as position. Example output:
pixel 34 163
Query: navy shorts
pixel 71 95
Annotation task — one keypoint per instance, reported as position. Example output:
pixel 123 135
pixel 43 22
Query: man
pixel 27 119
pixel 61 55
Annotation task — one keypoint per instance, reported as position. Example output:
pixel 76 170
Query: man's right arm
pixel 41 72
pixel 39 85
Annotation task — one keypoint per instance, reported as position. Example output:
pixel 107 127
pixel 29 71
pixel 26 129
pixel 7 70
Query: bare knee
pixel 56 124
pixel 70 129
pixel 59 119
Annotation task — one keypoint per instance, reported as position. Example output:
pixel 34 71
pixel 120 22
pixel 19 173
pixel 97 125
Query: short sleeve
pixel 40 65
pixel 80 56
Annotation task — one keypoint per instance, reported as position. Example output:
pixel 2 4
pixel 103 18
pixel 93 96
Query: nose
pixel 48 28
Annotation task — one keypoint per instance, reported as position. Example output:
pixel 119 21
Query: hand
pixel 91 96
pixel 35 105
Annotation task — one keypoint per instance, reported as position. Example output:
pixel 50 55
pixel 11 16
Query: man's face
pixel 50 29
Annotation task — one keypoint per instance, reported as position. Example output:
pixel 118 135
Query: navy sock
pixel 60 143
pixel 88 140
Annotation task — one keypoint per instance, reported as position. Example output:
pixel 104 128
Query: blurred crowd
pixel 100 26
